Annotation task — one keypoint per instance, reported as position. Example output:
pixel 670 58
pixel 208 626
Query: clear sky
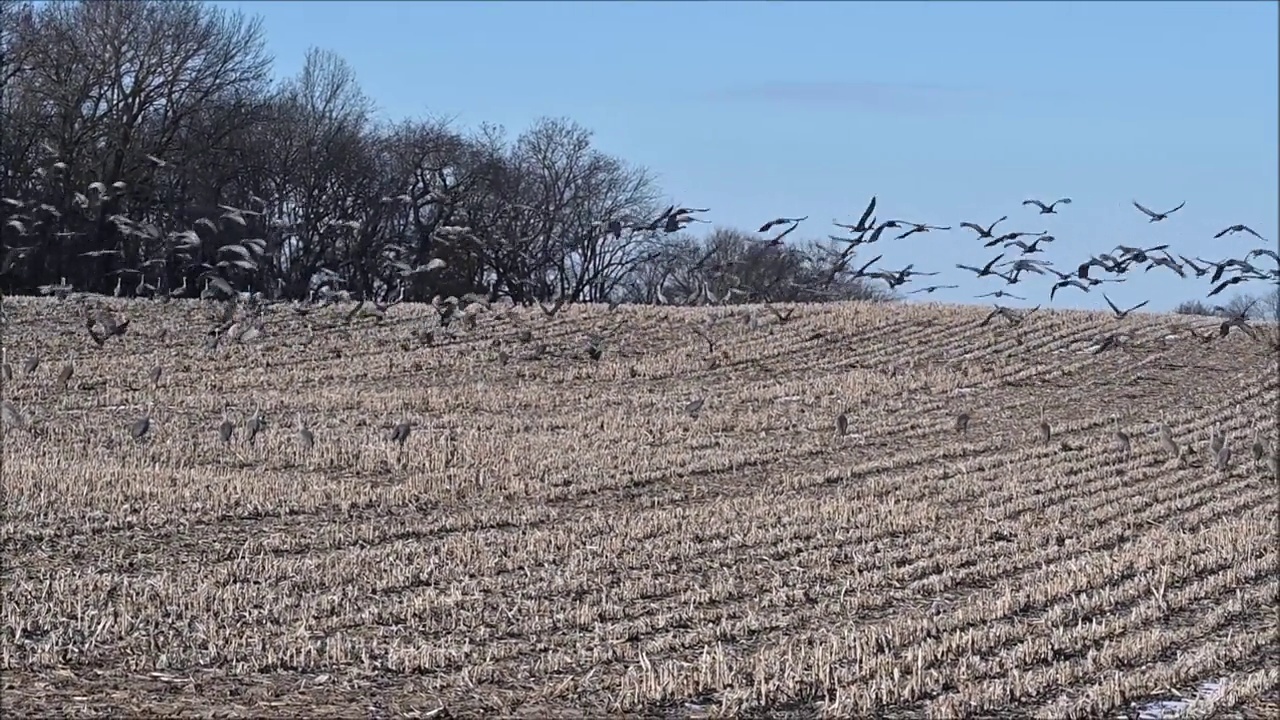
pixel 947 111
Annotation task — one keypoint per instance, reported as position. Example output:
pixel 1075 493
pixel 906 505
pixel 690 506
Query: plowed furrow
pixel 1139 647
pixel 970 570
pixel 1029 648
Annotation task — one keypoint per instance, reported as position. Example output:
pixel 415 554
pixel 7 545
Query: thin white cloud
pixel 896 98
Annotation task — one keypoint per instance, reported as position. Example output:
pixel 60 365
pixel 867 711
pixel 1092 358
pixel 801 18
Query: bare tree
pixel 551 224
pixel 107 100
pixel 1268 307
pixel 146 152
pixel 731 266
pixel 1194 307
pixel 13 54
pixel 1254 307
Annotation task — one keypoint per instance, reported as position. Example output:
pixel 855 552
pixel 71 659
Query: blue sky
pixel 947 112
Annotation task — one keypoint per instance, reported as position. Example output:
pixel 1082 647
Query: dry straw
pixel 553 535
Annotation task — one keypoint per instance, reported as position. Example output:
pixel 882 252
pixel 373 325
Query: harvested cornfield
pixel 551 535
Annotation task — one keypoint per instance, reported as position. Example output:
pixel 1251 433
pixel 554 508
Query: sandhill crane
pixel 1011 316
pixel 1104 261
pixel 919 228
pixel 1259 448
pixel 1233 229
pixel 140 426
pixel 1155 216
pixel 694 407
pixel 1000 294
pixel 863 222
pixel 1130 255
pixel 1066 282
pixel 1166 440
pixel 862 271
pixel 1122 440
pixel 110 326
pixel 64 375
pixel 1186 456
pixel 1222 459
pixel 1261 252
pixel 1217 440
pixel 986 269
pixel 11 415
pixel 1011 237
pixel 675 219
pixel 900 277
pixel 984 232
pixel 1232 281
pixel 781 221
pixel 1121 314
pixel 1044 432
pixel 1032 247
pixel 1048 209
pixel 1166 261
pixel 613 228
pixel 400 433
pixel 1220 267
pixel 1017 267
pixel 1197 269
pixel 1239 321
pixel 256 424
pixel 777 239
pixel 226 429
pixel 932 288
pixel 306 438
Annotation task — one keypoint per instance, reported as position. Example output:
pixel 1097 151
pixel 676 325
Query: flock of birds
pixel 1013 270
pixel 1121 260
pixel 244 256
pixel 103 325
pixel 12 416
pixel 1217 449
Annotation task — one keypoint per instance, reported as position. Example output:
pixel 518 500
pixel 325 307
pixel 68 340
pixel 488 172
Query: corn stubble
pixel 561 535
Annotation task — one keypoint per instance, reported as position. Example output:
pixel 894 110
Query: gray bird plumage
pixel 140 427
pixel 400 433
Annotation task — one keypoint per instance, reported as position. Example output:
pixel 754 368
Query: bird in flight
pixel 781 221
pixel 1032 247
pixel 1048 209
pixel 931 288
pixel 776 240
pixel 986 269
pixel 865 222
pixel 1066 282
pixel 1122 313
pixel 983 232
pixel 1155 216
pixel 1000 294
pixel 1231 281
pixel 916 228
pixel 1237 229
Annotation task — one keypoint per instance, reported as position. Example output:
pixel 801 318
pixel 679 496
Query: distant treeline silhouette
pixel 146 150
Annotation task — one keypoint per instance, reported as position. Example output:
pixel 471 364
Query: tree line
pixel 147 150
pixel 1265 306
